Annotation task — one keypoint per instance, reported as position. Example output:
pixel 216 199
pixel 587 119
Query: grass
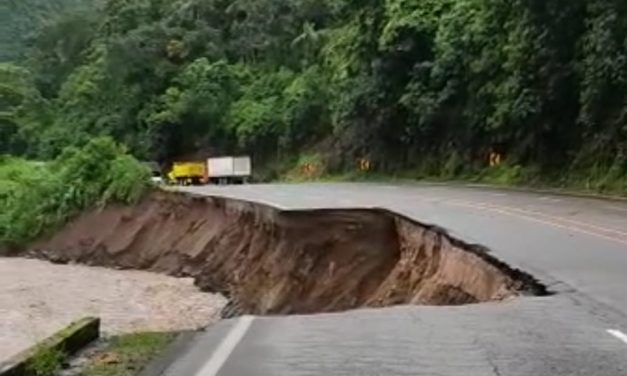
pixel 46 362
pixel 36 197
pixel 127 355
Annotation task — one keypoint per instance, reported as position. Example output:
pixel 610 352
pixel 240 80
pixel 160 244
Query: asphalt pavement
pixel 576 246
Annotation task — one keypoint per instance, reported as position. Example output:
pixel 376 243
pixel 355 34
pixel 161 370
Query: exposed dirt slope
pixel 269 261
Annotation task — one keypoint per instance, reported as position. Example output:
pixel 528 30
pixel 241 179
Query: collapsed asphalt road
pixel 270 261
pixel 578 247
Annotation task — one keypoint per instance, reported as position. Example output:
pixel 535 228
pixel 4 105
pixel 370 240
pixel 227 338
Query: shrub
pixel 36 197
pixel 308 167
pixel 127 180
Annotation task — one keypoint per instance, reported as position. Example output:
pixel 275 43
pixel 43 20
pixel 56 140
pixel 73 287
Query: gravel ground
pixel 38 298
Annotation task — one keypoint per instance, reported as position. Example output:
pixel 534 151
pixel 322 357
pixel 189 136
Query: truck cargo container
pixel 229 170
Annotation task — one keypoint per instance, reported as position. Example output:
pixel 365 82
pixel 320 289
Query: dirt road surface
pixel 38 298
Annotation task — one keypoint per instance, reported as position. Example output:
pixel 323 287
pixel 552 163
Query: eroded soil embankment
pixel 270 261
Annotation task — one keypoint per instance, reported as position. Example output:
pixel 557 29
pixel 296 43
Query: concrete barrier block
pixel 69 341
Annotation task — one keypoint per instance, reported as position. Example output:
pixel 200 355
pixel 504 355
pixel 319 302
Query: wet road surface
pixel 576 246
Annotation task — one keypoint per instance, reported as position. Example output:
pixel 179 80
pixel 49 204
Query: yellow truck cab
pixel 188 173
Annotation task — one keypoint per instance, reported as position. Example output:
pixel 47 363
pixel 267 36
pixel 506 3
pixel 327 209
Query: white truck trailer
pixel 229 170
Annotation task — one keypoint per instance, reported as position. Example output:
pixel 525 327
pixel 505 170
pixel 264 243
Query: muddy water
pixel 37 298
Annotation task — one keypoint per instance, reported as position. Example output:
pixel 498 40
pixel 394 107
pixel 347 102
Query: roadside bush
pixel 506 174
pixel 36 197
pixel 126 180
pixel 46 362
pixel 308 167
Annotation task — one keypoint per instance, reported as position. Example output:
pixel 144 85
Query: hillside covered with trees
pixel 21 21
pixel 428 86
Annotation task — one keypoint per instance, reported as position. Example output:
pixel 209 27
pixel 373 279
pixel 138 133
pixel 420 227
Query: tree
pixel 23 112
pixel 429 85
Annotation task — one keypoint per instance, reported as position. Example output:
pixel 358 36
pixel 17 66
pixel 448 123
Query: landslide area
pixel 268 261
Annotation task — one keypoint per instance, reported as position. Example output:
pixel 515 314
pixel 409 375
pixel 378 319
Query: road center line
pixel 226 347
pixel 618 334
pixel 538 220
pixel 554 218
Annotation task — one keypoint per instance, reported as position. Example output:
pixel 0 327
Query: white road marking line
pixel 618 334
pixel 226 347
pixel 498 194
pixel 550 199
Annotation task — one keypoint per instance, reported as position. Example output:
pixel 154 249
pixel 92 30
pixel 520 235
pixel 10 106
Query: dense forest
pixel 22 20
pixel 428 86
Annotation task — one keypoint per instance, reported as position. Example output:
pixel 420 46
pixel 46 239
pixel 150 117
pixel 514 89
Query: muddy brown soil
pixel 269 261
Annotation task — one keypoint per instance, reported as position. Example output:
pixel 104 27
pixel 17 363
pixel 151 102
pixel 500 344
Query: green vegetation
pixel 36 197
pixel 21 20
pixel 127 355
pixel 428 86
pixel 46 362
